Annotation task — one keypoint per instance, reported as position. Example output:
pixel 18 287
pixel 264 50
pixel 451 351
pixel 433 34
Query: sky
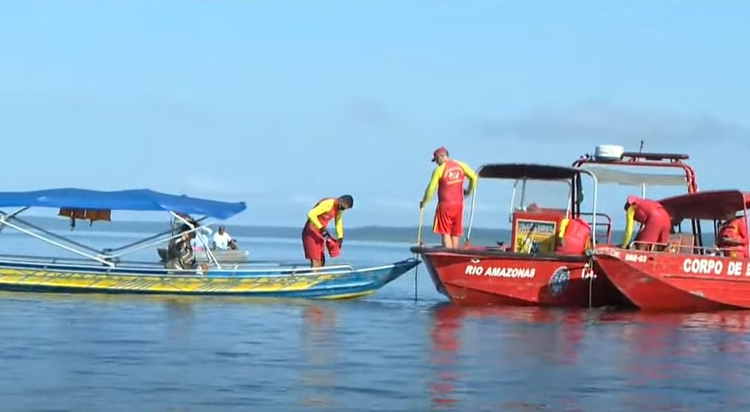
pixel 280 103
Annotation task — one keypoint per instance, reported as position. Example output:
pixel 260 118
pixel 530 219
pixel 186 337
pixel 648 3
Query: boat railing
pixel 682 245
pixel 606 224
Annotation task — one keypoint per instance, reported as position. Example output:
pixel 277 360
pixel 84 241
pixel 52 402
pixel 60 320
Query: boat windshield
pixel 545 194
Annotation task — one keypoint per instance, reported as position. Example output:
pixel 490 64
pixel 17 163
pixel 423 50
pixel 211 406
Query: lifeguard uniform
pixel 448 180
pixel 317 219
pixel 575 237
pixel 735 229
pixel 656 224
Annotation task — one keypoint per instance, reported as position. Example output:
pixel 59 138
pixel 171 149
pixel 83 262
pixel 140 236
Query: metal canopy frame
pixel 572 181
pixel 103 256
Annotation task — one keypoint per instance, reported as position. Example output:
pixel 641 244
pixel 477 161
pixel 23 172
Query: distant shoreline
pixel 397 234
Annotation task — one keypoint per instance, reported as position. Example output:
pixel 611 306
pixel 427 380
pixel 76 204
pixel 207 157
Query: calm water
pixel 383 353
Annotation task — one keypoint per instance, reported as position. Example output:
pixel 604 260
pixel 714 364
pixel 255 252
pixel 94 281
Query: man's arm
pixel 318 210
pixel 339 226
pixel 433 185
pixel 471 174
pixel 629 221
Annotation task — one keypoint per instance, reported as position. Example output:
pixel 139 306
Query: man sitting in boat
pixel 732 236
pixel 315 233
pixel 180 252
pixel 223 241
pixel 655 221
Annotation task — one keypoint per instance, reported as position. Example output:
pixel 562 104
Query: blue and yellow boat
pixel 105 270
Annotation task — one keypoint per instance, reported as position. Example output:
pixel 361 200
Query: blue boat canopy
pixel 134 200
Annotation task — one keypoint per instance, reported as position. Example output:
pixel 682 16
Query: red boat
pixel 686 276
pixel 529 272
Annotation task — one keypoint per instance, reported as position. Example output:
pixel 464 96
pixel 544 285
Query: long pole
pixel 419 243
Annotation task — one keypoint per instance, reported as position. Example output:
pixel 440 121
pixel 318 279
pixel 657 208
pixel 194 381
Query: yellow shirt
pixel 563 226
pixel 324 207
pixel 438 173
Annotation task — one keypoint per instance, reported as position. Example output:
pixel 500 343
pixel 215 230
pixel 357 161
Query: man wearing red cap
pixel 655 221
pixel 448 179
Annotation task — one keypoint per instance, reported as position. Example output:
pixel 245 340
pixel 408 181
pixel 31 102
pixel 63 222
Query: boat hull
pixel 481 278
pixel 278 281
pixel 677 282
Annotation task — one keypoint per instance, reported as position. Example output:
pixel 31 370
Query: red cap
pixel 440 150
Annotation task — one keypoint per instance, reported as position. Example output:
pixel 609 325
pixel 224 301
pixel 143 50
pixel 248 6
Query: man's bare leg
pixel 317 263
pixel 447 241
pixel 456 242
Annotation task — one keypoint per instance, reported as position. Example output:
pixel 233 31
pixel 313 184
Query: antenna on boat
pixel 640 149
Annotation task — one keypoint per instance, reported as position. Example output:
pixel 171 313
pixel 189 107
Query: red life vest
pixel 645 208
pixel 734 229
pixel 576 237
pixel 325 217
pixel 334 249
pixel 451 186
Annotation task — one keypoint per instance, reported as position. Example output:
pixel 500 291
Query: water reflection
pixel 445 344
pixel 319 353
pixel 500 350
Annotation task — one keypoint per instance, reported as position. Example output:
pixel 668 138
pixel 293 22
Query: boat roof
pixel 710 205
pixel 527 171
pixel 131 200
pixel 608 175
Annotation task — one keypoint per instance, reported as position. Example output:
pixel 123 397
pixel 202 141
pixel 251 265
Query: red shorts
pixel 313 245
pixel 656 229
pixel 449 219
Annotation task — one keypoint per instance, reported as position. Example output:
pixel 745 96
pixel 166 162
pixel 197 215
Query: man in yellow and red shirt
pixel 448 179
pixel 315 233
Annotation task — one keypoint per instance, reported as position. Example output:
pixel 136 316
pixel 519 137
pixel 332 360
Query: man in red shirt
pixel 448 180
pixel 315 232
pixel 655 224
pixel 732 237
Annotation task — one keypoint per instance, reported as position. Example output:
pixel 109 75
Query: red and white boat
pixel 513 275
pixel 689 275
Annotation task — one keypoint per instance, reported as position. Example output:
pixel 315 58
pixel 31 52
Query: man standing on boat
pixel 656 224
pixel 448 179
pixel 315 233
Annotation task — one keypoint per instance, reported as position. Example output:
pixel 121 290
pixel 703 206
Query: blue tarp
pixel 137 200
